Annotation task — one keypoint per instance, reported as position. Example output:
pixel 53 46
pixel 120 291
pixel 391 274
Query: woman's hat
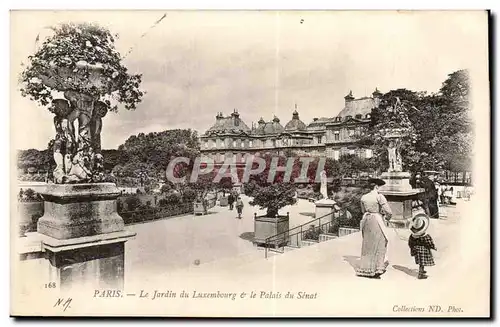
pixel 419 224
pixel 376 181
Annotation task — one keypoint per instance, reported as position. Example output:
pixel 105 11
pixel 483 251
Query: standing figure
pixel 431 194
pixel 62 145
pixel 239 206
pixel 421 244
pixel 392 156
pixel 100 110
pixel 82 105
pixel 398 166
pixel 374 249
pixel 323 189
pixel 230 200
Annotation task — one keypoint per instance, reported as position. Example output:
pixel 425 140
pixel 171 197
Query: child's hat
pixel 419 224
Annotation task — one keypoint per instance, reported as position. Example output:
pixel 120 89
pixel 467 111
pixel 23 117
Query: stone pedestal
pixel 78 210
pixel 82 236
pixel 400 195
pixel 323 208
pixel 92 262
pixel 265 227
pixel 398 181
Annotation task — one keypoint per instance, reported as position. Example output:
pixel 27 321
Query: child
pixel 421 244
pixel 239 207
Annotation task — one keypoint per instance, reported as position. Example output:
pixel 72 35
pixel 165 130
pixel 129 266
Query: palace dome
pixel 295 124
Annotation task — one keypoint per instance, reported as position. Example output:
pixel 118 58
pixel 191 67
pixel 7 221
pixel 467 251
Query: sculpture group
pixel 77 145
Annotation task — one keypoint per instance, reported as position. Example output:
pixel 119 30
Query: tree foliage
pixel 274 197
pixel 62 62
pixel 153 152
pixel 441 127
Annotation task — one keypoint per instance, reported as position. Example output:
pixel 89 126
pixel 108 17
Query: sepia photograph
pixel 258 163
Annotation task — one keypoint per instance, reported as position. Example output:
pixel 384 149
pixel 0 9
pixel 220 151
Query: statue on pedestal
pixel 323 189
pixel 77 153
pixel 81 62
pixel 395 161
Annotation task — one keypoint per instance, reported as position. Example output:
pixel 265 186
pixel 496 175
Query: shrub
pixel 119 205
pixel 30 194
pixel 334 227
pixel 250 188
pixel 350 199
pixel 274 197
pixel 312 233
pixel 172 198
pixel 165 188
pixel 133 202
pixel 188 194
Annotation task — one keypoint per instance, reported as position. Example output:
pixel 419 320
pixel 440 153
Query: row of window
pixel 236 144
pixel 335 154
pixel 241 143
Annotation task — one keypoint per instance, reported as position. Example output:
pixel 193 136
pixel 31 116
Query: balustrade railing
pixel 294 236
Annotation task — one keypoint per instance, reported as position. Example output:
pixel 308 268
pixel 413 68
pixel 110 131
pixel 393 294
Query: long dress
pixel 374 249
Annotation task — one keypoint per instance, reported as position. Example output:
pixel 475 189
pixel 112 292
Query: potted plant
pixel 225 185
pixel 272 198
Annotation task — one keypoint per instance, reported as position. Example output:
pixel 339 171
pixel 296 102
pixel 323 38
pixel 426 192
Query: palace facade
pixel 332 137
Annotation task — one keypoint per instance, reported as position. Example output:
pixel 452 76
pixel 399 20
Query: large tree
pixel 394 112
pixel 441 133
pixel 152 152
pixel 454 140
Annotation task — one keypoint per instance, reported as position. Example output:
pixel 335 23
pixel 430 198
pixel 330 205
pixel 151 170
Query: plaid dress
pixel 420 248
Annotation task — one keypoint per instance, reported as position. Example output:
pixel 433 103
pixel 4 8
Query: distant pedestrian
pixel 442 189
pixel 452 200
pixel 421 244
pixel 431 194
pixel 467 191
pixel 239 207
pixel 230 201
pixel 438 189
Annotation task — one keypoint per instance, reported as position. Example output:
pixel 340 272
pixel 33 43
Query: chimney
pixel 376 93
pixel 348 98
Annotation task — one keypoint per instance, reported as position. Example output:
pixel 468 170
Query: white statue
pixel 392 156
pixel 395 161
pixel 323 189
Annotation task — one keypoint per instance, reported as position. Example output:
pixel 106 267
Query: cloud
pixel 195 64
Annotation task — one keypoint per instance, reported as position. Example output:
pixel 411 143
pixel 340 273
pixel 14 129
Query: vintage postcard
pixel 250 163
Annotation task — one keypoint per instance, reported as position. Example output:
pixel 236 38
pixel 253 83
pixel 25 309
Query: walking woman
pixel 374 249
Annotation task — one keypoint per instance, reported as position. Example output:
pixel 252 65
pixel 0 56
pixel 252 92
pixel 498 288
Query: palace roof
pixel 230 124
pixel 361 106
pixel 272 127
pixel 295 124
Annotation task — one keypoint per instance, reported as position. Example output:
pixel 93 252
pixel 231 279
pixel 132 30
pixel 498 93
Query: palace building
pixel 332 137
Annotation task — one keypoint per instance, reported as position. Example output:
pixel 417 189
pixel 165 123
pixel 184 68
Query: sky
pixel 198 63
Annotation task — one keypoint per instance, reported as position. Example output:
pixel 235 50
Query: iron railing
pixel 293 237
